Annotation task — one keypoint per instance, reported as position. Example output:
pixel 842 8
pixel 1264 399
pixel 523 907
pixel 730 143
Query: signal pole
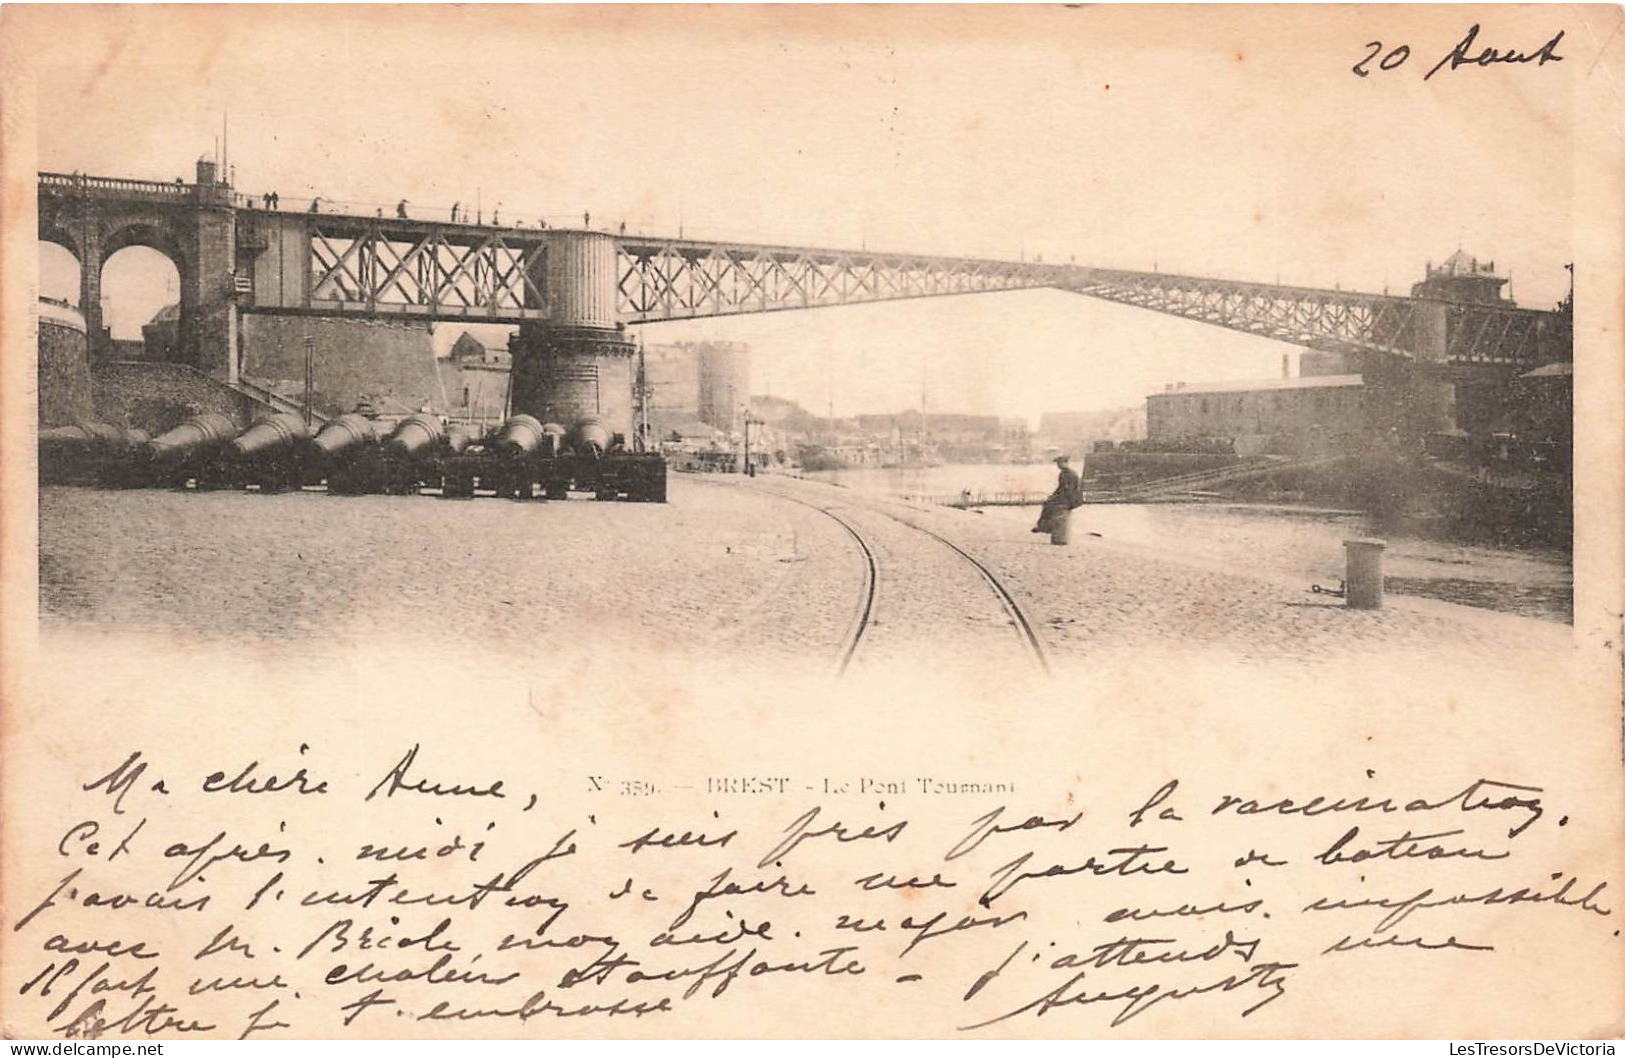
pixel 310 378
pixel 643 398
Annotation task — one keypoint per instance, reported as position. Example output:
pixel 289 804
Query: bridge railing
pixel 79 183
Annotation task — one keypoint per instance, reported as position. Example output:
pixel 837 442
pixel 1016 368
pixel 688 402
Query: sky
pixel 1231 142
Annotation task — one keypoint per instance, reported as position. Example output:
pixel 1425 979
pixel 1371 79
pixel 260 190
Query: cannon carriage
pixel 353 455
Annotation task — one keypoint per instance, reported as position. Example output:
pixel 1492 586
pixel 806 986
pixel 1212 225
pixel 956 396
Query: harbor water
pixel 1290 542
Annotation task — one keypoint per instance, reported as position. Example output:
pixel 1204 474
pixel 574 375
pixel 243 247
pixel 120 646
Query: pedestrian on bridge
pixel 400 209
pixel 1067 496
pixel 454 206
pixel 316 205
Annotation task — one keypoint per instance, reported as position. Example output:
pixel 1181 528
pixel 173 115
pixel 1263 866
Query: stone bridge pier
pixel 577 364
pixel 1413 397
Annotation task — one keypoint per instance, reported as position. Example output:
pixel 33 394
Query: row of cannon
pixel 355 455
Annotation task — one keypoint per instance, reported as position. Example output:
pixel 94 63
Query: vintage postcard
pixel 912 522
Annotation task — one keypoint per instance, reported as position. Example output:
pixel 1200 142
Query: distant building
pixel 1074 430
pixel 160 336
pixel 724 383
pixel 475 377
pixel 1316 362
pixel 691 432
pixel 913 437
pixel 468 350
pixel 1327 401
pixel 1292 415
pixel 948 428
pixel 704 381
pixel 671 373
pixel 1462 278
pixel 1015 441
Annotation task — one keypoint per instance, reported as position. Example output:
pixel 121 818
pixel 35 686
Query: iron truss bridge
pixel 347 265
pixel 676 279
pixel 1344 321
pixel 679 280
pixel 443 271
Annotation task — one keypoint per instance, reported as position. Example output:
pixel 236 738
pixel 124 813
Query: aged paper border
pixel 1598 238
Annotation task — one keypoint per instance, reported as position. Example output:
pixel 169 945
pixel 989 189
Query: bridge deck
pixel 348 264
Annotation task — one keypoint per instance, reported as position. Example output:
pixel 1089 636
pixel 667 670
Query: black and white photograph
pixel 812 521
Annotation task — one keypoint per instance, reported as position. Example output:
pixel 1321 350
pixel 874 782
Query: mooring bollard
pixel 1059 525
pixel 1363 584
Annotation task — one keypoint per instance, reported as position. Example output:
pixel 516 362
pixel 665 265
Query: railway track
pixel 866 607
pixel 1024 627
pixel 1031 644
pixel 871 578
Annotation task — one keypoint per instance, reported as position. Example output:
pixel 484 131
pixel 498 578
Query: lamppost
pixel 749 422
pixel 310 377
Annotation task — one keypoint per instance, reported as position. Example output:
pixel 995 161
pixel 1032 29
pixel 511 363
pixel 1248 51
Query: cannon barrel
pixel 415 433
pixel 83 433
pixel 346 431
pixel 273 431
pixel 520 435
pixel 460 437
pixel 210 428
pixel 590 436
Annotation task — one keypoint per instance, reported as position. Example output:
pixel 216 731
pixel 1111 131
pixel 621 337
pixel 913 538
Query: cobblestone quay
pixel 757 570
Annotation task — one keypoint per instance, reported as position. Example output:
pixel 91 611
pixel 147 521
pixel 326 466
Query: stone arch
pixel 136 281
pixel 152 233
pixel 52 231
pixel 171 236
